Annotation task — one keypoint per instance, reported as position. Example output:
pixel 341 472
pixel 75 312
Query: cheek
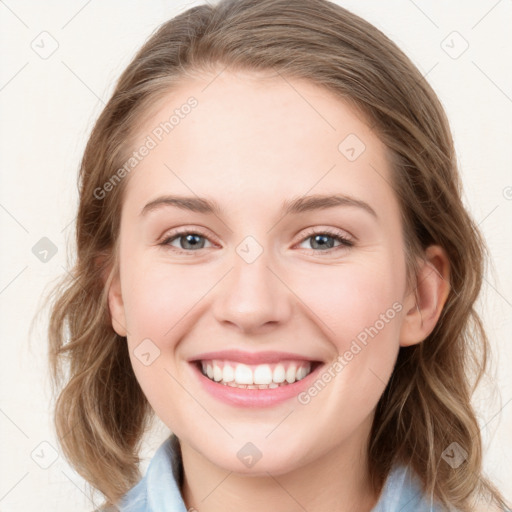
pixel 159 296
pixel 348 299
pixel 360 311
pixel 159 304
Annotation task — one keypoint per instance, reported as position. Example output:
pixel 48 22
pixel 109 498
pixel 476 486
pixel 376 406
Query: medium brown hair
pixel 101 413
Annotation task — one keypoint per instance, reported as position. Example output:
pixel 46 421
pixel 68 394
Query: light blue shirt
pixel 159 490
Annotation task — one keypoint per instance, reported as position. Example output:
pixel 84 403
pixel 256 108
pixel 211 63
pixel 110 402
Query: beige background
pixel 47 109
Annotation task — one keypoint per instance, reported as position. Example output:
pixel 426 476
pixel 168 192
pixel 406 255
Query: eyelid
pixel 187 230
pixel 345 242
pixel 326 230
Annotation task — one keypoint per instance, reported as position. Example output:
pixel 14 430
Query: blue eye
pixel 190 241
pixel 321 241
pixel 325 239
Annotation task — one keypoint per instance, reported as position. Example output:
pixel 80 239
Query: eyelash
pixel 344 242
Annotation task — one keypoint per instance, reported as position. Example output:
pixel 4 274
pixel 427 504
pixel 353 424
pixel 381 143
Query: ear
pixel 424 304
pixel 112 280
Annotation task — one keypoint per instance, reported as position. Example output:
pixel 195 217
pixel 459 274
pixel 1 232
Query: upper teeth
pixel 239 373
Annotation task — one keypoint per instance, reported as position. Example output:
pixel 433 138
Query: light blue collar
pixel 159 490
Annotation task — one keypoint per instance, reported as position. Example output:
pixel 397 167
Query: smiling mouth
pixel 261 376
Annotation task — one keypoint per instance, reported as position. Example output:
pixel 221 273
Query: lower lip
pixel 255 397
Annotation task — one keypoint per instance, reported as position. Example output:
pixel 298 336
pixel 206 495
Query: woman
pixel 274 258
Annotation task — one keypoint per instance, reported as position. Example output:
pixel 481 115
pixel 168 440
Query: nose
pixel 253 297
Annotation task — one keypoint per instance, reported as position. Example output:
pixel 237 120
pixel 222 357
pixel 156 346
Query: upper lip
pixel 251 357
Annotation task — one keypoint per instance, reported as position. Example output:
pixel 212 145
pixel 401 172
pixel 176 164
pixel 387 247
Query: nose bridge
pixel 251 295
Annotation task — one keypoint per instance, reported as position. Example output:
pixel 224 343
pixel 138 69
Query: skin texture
pixel 252 143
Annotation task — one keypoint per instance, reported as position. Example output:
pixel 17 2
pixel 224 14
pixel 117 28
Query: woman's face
pixel 261 273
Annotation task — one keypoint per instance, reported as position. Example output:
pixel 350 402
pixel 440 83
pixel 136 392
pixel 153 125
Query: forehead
pixel 253 137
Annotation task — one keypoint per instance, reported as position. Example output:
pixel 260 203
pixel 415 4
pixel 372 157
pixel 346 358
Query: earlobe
pixel 425 304
pixel 116 306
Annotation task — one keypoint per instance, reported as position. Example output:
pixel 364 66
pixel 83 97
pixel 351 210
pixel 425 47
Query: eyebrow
pixel 299 205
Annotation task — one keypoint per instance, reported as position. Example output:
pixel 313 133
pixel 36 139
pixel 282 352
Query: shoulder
pixel 403 491
pixel 135 500
pixel 160 485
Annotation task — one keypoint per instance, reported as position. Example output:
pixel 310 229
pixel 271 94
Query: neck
pixel 336 481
